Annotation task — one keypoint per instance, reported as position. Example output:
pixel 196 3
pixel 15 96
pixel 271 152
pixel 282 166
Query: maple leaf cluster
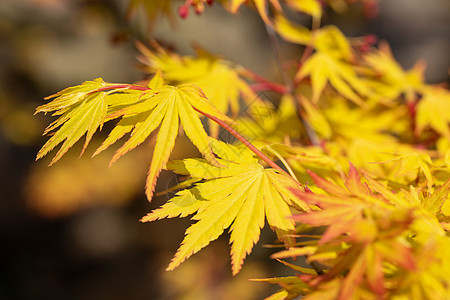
pixel 350 166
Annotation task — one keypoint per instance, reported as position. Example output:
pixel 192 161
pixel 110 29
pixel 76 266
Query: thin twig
pixel 289 83
pixel 277 54
pixel 310 47
pixel 120 86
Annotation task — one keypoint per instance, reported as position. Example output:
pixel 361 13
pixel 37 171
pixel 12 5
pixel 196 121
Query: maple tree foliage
pixel 251 192
pixel 357 147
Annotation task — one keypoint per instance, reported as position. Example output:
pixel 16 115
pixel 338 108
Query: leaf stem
pixel 215 119
pixel 285 163
pixel 268 86
pixel 244 141
pixel 264 84
pixel 120 86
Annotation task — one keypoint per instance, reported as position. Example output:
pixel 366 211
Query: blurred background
pixel 72 231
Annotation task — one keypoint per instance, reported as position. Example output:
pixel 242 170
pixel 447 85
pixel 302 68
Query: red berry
pixel 183 11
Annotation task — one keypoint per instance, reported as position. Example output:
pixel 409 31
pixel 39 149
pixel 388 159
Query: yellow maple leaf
pixel 331 64
pixel 310 7
pixel 389 79
pixel 166 108
pixel 433 111
pixel 84 108
pixel 374 139
pixel 409 163
pixel 248 194
pixel 323 68
pixel 220 81
pixel 292 32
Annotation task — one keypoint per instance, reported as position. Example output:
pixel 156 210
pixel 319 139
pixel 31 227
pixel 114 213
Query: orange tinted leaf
pixel 326 185
pixel 353 279
pixel 375 271
pixel 353 182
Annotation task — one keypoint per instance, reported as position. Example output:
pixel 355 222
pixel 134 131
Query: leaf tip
pixel 150 186
pixel 175 262
pixel 236 269
pixel 146 218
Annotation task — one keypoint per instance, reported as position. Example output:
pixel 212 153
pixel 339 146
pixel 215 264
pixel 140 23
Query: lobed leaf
pixel 248 194
pixel 292 32
pixel 165 141
pixel 83 109
pixel 214 219
pixel 219 80
pixel 433 111
pixel 184 203
pixel 247 225
pixel 323 68
pixel 83 119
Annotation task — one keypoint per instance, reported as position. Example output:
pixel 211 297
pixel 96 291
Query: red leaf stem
pixel 265 86
pixel 215 119
pixel 121 86
pixel 244 141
